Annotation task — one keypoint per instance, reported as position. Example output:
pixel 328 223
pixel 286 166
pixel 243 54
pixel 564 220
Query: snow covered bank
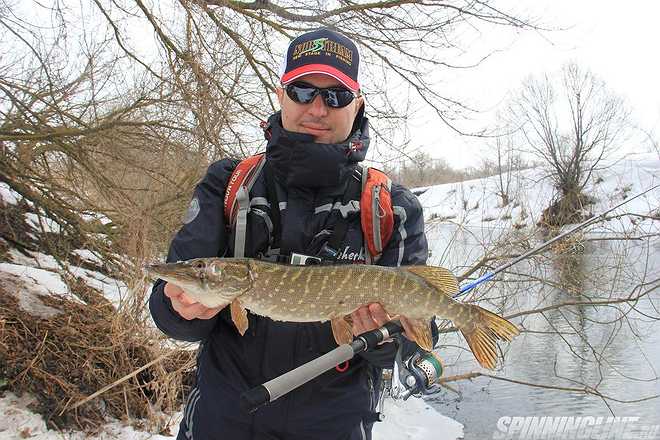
pixel 18 423
pixel 412 419
pixel 475 202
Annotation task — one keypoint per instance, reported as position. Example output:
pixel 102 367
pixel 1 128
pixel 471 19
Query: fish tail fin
pixel 483 334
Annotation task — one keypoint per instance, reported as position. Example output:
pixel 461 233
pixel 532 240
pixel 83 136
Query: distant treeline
pixel 422 170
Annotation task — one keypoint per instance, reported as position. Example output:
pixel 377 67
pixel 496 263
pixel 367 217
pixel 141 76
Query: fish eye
pixel 199 265
pixel 215 269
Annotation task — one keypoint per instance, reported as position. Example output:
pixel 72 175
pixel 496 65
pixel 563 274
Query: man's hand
pixel 373 316
pixel 186 306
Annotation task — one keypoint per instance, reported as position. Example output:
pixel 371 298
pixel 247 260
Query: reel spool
pixel 417 375
pixel 427 368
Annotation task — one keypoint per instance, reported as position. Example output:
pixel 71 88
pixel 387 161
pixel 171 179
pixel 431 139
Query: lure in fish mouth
pixel 212 282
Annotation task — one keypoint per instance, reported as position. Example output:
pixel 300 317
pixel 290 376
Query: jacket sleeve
pixel 203 234
pixel 407 246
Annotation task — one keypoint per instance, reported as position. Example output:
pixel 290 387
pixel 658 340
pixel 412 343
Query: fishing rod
pixel 419 374
pixel 273 389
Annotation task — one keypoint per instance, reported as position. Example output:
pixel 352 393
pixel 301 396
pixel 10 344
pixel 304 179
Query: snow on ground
pixel 27 291
pixel 41 221
pixel 89 256
pixel 94 216
pixel 412 419
pixel 9 195
pixel 475 202
pixel 43 281
pixel 18 423
pixel 472 212
pixel 46 268
pixel 113 289
pixel 37 259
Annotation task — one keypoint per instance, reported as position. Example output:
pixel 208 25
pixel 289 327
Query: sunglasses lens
pixel 301 94
pixel 338 98
pixel 304 94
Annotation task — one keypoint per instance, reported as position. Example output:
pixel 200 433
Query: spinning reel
pixel 416 376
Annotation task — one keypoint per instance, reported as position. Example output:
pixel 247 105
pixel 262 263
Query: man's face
pixel 328 125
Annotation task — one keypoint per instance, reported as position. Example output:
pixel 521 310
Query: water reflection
pixel 615 349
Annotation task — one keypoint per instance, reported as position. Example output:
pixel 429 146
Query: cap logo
pixel 314 47
pixel 309 46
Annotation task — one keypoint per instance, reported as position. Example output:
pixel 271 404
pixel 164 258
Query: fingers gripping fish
pixel 321 293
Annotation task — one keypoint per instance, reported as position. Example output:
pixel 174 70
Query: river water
pixel 613 349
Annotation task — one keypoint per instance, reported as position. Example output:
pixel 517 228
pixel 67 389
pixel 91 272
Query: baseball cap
pixel 322 51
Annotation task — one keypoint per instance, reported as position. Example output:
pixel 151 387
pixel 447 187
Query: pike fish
pixel 321 293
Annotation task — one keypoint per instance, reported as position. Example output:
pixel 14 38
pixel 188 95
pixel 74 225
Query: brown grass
pixel 65 358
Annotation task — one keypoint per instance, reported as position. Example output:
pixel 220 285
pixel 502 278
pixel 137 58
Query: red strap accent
pixel 238 177
pixel 385 215
pixel 342 367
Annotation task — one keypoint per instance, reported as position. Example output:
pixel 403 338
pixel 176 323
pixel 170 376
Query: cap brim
pixel 322 69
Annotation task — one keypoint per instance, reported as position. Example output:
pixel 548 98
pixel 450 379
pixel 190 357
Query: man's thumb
pixel 172 290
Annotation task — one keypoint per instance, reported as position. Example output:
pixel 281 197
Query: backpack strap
pixel 237 198
pixel 274 205
pixel 352 192
pixel 376 213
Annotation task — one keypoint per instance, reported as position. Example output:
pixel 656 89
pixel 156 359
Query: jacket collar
pixel 299 161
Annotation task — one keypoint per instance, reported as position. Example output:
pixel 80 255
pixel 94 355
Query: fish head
pixel 210 281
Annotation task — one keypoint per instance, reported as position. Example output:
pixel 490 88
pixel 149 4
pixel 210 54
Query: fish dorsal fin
pixel 439 277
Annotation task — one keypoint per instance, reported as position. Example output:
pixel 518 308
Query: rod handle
pixel 254 399
pixel 375 337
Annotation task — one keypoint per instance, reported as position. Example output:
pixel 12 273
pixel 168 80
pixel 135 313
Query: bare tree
pixel 503 167
pixel 572 129
pixel 156 118
pixel 404 44
pixel 86 125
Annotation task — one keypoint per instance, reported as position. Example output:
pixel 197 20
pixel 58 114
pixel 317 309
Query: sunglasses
pixel 335 97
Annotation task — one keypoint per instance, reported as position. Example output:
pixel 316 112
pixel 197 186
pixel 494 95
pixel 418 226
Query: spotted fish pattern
pixel 320 293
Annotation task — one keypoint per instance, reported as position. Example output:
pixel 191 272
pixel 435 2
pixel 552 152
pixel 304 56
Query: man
pixel 314 146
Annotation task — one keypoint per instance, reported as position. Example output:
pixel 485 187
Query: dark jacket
pixel 310 180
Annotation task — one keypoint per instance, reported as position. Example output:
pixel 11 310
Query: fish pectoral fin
pixel 349 320
pixel 341 330
pixel 421 333
pixel 439 277
pixel 239 316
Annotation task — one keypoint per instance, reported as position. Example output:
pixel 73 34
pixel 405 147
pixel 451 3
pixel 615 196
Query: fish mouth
pixel 170 272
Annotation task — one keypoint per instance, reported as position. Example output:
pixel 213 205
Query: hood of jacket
pixel 298 161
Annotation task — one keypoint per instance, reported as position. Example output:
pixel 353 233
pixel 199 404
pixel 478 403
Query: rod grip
pixel 253 399
pixel 393 327
pixel 375 337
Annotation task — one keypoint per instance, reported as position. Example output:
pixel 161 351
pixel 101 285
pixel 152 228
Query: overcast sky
pixel 617 41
